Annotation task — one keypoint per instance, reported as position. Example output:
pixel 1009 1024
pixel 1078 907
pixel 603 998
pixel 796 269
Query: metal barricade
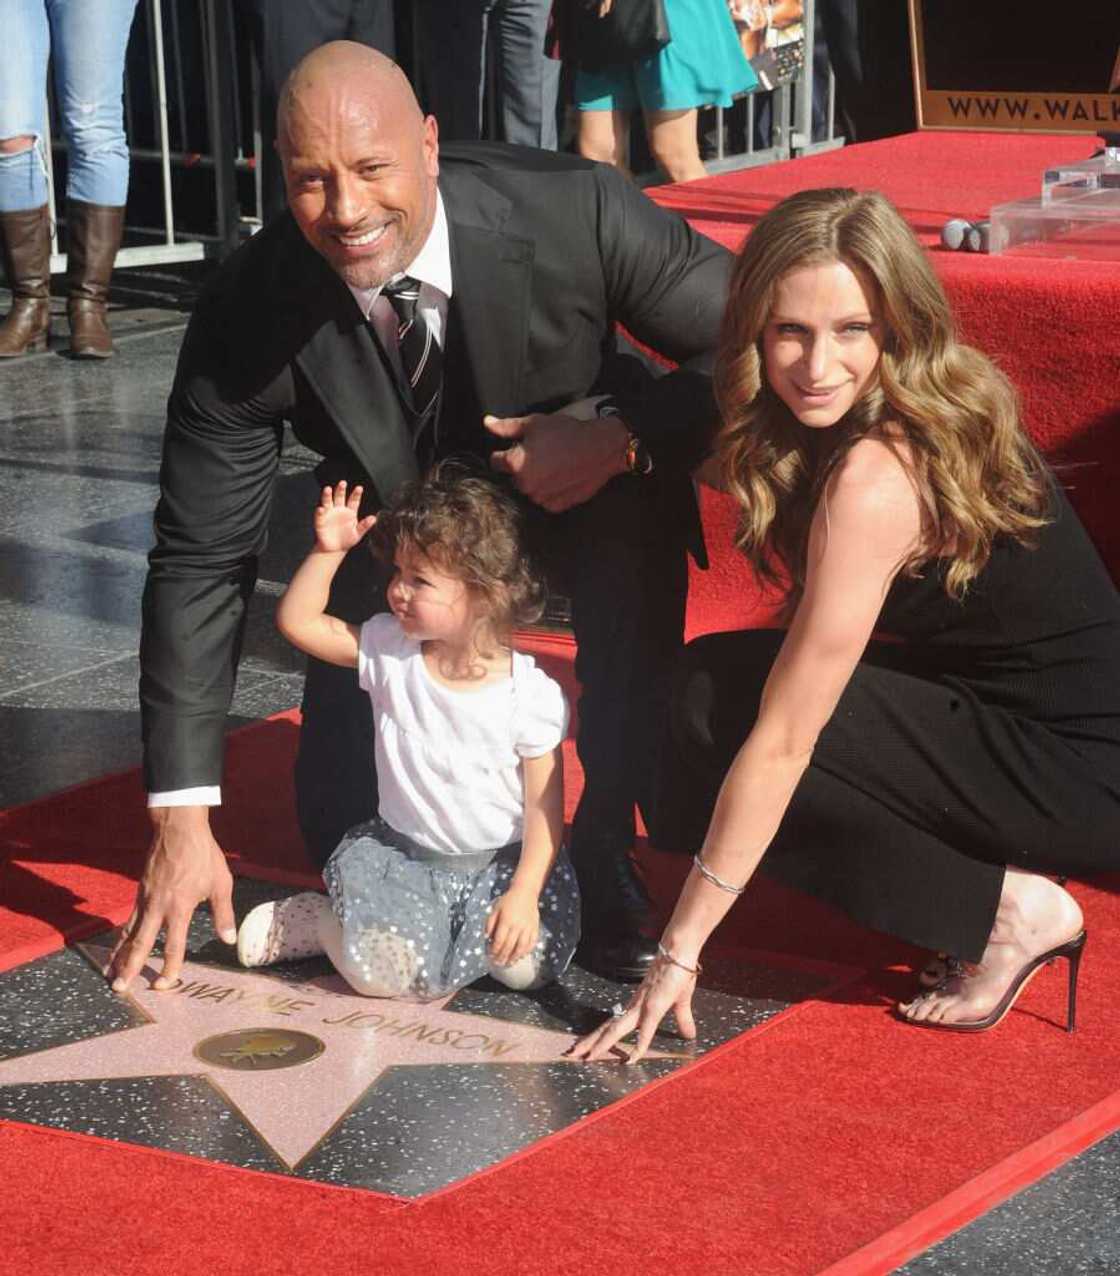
pixel 802 141
pixel 791 115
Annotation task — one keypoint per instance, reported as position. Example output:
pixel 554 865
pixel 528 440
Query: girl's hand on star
pixel 513 927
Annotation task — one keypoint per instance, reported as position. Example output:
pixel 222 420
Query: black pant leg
pixel 528 79
pixel 868 46
pixel 372 22
pixel 836 841
pixel 451 46
pixel 620 558
pixel 335 777
pixel 917 797
pixel 842 845
pixel 284 32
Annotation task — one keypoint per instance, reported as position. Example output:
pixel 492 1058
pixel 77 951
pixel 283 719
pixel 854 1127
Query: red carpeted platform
pixel 833 1139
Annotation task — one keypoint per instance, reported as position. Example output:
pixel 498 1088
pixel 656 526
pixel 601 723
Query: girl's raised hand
pixel 337 525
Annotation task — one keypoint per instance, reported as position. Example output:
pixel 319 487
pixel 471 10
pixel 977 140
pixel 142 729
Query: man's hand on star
pixel 185 866
pixel 556 460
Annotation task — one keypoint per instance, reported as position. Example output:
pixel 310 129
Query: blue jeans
pixel 87 39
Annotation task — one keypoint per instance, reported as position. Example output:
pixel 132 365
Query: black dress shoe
pixel 623 956
pixel 616 913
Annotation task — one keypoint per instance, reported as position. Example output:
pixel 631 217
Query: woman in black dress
pixel 927 778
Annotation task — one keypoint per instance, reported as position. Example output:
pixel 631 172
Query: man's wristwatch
pixel 638 459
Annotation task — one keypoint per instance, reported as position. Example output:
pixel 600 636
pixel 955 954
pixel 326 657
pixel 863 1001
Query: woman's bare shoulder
pixel 874 490
pixel 876 469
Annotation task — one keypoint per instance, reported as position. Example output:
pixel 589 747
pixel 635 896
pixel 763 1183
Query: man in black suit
pixel 524 261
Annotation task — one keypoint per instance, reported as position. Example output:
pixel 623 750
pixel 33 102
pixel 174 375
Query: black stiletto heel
pixel 1071 950
pixel 1072 953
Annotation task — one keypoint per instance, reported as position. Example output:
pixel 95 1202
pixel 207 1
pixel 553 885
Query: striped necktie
pixel 421 357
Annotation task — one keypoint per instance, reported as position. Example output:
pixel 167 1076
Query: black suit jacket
pixel 548 253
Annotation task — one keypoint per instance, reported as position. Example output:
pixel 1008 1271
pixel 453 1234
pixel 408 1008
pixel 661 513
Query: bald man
pixel 525 261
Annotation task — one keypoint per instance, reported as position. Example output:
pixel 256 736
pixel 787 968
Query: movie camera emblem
pixel 259 1049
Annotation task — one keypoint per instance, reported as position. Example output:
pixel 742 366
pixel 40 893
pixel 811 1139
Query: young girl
pixel 929 784
pixel 462 873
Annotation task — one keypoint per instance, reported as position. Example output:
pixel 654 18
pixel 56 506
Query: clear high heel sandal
pixel 1071 950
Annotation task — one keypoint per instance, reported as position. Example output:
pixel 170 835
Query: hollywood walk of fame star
pixel 248 1035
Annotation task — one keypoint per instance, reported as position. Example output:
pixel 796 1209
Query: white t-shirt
pixel 448 762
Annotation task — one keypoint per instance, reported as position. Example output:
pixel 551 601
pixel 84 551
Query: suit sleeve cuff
pixel 201 795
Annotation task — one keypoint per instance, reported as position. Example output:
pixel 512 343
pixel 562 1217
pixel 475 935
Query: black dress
pixel 981 733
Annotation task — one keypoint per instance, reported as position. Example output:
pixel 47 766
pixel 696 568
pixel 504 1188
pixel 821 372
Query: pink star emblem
pixel 292 1059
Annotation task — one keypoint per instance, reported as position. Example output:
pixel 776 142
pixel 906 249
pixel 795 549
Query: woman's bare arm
pixel 867 524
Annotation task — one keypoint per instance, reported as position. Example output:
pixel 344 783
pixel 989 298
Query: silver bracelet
pixel 708 876
pixel 666 955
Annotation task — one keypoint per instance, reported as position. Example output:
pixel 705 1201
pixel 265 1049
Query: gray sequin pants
pixel 413 919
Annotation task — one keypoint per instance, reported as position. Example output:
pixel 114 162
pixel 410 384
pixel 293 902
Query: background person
pixel 763 26
pixel 702 65
pixel 86 42
pixel 516 265
pixel 455 39
pixel 926 785
pixel 282 33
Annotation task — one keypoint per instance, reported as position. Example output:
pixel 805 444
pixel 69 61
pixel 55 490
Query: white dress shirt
pixel 431 268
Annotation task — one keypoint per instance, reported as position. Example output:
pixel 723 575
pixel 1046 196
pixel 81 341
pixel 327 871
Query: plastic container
pixel 1065 181
pixel 1082 223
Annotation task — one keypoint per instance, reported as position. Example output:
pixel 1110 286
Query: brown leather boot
pixel 93 237
pixel 26 240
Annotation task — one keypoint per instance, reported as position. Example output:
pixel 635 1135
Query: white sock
pixel 283 930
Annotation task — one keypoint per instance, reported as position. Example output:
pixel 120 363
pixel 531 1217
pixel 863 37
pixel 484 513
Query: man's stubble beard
pixel 376 274
pixel 366 276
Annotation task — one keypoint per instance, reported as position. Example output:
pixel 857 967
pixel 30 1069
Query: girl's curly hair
pixel 471 528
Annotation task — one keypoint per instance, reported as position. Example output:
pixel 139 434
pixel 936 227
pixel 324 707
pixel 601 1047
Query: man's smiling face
pixel 360 168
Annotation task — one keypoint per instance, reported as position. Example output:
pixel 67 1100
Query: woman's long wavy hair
pixel 977 472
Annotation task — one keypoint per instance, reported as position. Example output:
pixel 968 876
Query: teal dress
pixel 702 65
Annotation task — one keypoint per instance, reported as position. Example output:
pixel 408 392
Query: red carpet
pixel 833 1134
pixel 832 1139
